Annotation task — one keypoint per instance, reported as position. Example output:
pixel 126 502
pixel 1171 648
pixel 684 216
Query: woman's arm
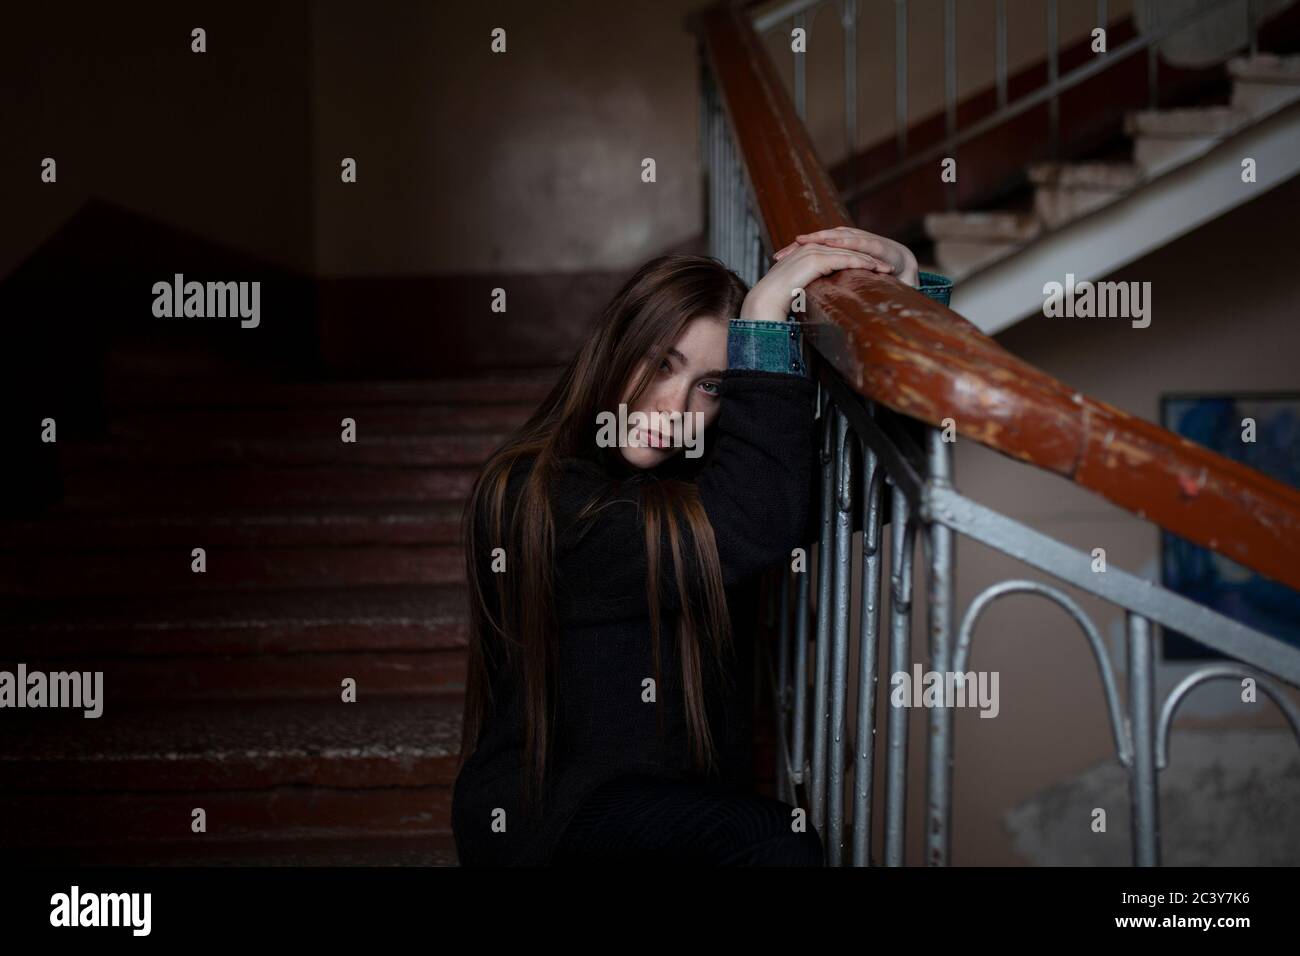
pixel 755 485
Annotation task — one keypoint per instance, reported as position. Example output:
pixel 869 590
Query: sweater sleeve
pixel 753 489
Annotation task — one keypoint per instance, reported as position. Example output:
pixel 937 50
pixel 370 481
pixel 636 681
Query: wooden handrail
pixel 897 347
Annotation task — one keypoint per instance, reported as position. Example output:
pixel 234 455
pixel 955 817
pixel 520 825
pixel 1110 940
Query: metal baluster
pixel 900 74
pixel 800 71
pixel 942 598
pixel 737 261
pixel 733 206
pixel 1000 15
pixel 706 149
pixel 842 607
pixel 901 536
pixel 1252 26
pixel 849 19
pixel 1153 58
pixel 821 677
pixel 715 177
pixel 868 647
pixel 950 86
pixel 1053 74
pixel 799 731
pixel 1102 17
pixel 1142 728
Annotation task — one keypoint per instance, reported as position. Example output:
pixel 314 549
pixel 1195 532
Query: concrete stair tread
pixel 987 226
pixel 233 745
pixel 1266 68
pixel 1110 176
pixel 1192 122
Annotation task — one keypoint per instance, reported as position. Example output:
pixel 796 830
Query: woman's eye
pixel 664 366
pixel 710 388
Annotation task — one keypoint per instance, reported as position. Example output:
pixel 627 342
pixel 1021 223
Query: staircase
pixel 325 560
pixel 1159 143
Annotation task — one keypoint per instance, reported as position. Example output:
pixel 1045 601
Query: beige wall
pixel 469 161
pixel 530 161
pixel 527 161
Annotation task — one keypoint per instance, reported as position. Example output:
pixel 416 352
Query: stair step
pixel 159 572
pixel 323 421
pixel 1163 139
pixel 302 527
pixel 1064 192
pixel 369 851
pixel 1264 83
pixel 133 680
pixel 225 488
pixel 1109 176
pixel 982 226
pixel 1266 68
pixel 966 241
pixel 374 450
pixel 136 391
pixel 284 815
pixel 267 622
pixel 438 850
pixel 236 746
pixel 1192 122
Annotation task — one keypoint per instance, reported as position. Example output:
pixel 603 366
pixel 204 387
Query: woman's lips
pixel 654 439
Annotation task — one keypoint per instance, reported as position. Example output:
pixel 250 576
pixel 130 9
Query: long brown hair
pixel 638 325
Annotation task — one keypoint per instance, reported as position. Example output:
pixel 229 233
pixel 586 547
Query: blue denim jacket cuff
pixel 936 286
pixel 765 346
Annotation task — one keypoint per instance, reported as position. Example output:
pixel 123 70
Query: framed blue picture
pixel 1271 445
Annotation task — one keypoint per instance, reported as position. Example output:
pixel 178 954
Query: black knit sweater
pixel 754 483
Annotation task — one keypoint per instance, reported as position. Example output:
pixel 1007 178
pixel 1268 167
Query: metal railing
pixel 798 14
pixel 866 449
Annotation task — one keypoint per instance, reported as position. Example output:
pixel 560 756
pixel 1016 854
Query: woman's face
pixel 684 393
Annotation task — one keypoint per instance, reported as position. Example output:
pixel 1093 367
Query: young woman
pixel 602 719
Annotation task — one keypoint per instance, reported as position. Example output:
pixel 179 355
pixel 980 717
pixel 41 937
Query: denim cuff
pixel 766 346
pixel 937 287
pixel 778 346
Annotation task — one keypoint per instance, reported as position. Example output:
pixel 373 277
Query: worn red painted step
pixel 165 571
pixel 317 422
pixel 277 816
pixel 235 746
pixel 370 851
pixel 297 527
pixel 431 451
pixel 247 487
pixel 133 680
pixel 131 389
pixel 206 624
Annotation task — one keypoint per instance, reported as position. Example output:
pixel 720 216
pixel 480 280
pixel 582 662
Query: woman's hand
pixel 895 257
pixel 816 254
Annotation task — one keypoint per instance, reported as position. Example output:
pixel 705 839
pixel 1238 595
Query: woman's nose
pixel 674 399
